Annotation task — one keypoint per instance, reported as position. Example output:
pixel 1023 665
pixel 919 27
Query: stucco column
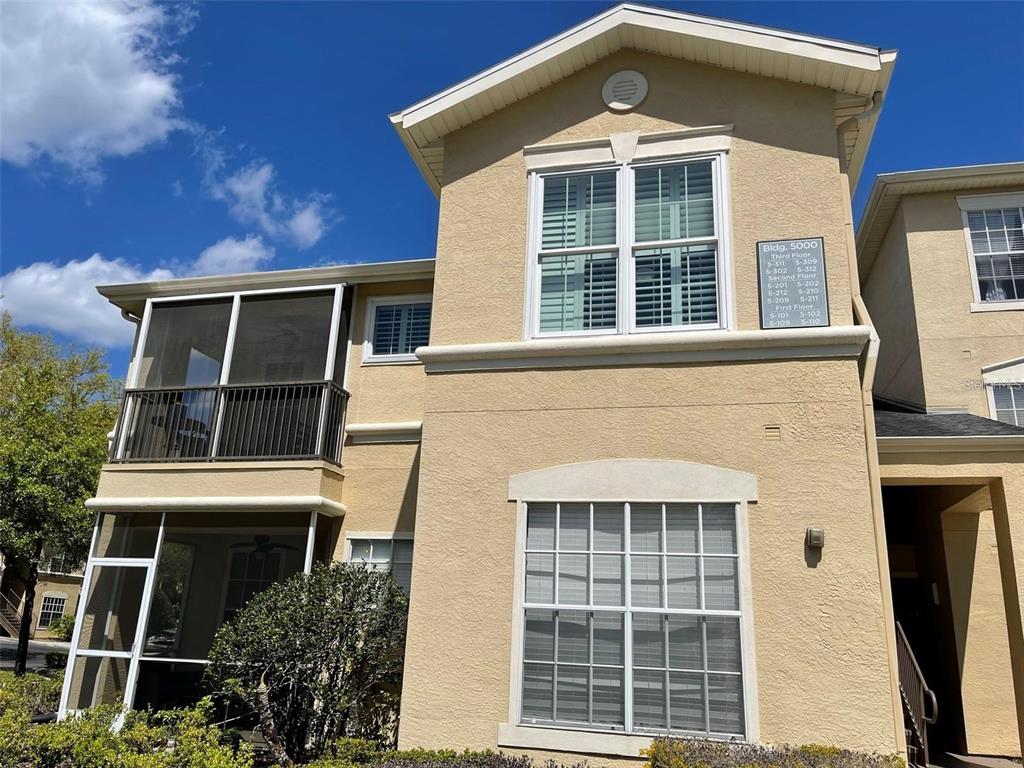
pixel 1008 512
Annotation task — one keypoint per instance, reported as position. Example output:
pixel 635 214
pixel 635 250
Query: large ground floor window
pixel 158 586
pixel 632 618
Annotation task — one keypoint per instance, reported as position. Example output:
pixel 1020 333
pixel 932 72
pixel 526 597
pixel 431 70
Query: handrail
pixel 231 422
pixel 11 604
pixel 915 690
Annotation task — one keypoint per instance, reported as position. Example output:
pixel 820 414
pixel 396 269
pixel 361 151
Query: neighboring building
pixel 625 418
pixel 57 591
pixel 942 268
pixel 941 256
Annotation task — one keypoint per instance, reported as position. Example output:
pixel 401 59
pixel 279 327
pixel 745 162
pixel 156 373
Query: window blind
pixel 674 202
pixel 1009 403
pixel 997 244
pixel 676 286
pixel 578 291
pixel 579 211
pixel 398 329
pixel 669 633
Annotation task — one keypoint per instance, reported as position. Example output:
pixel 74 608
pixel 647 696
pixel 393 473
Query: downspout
pixel 870 361
pixel 137 322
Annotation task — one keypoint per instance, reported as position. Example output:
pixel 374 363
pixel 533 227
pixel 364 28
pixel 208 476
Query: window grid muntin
pixel 625 225
pixel 52 608
pixel 1008 254
pixel 399 328
pixel 628 611
pixel 1015 413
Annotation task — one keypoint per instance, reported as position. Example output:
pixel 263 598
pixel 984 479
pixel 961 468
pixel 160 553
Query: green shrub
pixel 62 628
pixel 30 694
pixel 705 753
pixel 175 739
pixel 318 657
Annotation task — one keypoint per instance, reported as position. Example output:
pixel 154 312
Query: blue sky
pixel 146 141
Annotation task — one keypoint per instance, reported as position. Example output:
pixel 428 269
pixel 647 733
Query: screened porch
pixel 157 588
pixel 248 375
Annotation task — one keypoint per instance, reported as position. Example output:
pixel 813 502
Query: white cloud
pixel 85 81
pixel 253 198
pixel 233 255
pixel 307 226
pixel 64 298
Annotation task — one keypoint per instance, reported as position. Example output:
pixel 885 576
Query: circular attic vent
pixel 624 90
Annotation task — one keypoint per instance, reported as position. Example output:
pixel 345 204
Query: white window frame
pixel 990 394
pixel 611 481
pixel 372 302
pixel 42 608
pixel 970 204
pixel 392 536
pixel 624 246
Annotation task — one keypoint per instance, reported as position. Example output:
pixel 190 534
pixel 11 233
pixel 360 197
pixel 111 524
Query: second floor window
pixel 1008 403
pixel 996 237
pixel 395 327
pixel 627 249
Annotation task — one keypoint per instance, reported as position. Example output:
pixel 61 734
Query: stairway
pixel 914 694
pixel 10 616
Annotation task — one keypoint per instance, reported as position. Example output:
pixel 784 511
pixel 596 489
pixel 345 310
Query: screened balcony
pixel 244 376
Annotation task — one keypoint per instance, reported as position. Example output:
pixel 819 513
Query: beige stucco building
pixel 617 438
pixel 57 590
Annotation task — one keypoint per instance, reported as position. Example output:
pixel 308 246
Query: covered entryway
pixel 953 495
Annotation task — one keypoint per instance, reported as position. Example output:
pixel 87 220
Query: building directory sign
pixel 791 283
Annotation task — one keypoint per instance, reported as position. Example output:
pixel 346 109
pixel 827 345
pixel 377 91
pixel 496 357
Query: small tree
pixel 56 408
pixel 318 657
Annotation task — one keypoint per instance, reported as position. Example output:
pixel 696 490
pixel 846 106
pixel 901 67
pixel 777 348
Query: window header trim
pixel 633 480
pixel 618 148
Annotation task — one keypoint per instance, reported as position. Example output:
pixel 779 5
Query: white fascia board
pixel 902 183
pixel 192 503
pixel 993 171
pixel 973 444
pixel 384 271
pixel 824 50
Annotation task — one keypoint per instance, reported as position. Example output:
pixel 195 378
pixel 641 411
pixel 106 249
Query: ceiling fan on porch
pixel 263 545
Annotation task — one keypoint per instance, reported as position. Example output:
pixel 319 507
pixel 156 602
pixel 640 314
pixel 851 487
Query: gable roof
pixel 853 70
pixel 889 188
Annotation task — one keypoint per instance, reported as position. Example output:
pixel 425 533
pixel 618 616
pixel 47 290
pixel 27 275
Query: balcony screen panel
pixel 112 608
pixel 185 344
pixel 282 338
pixel 210 566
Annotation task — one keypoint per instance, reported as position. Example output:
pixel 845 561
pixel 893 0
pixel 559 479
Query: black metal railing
pixel 301 420
pixel 918 699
